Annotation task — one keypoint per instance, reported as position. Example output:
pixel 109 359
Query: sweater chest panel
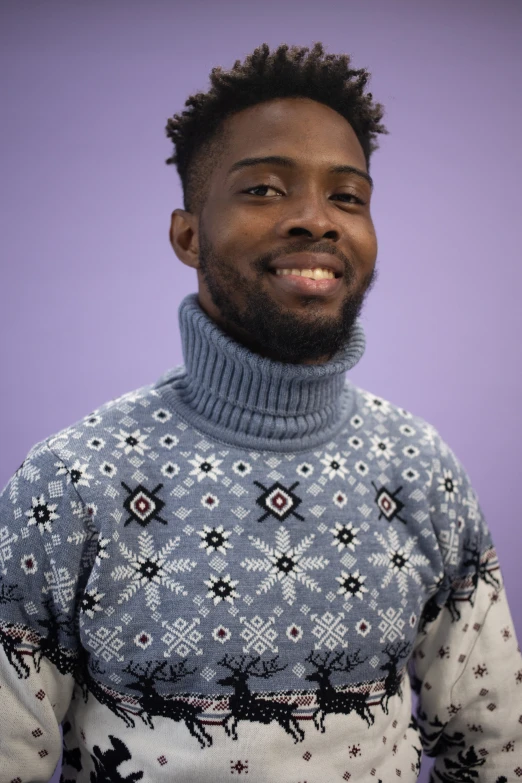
pixel 211 560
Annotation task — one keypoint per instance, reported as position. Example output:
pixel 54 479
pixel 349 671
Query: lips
pixel 294 283
pixel 309 261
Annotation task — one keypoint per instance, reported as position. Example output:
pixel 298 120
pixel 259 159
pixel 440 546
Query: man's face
pixel 265 225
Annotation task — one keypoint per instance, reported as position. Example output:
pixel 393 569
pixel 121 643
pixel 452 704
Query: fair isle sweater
pixel 242 572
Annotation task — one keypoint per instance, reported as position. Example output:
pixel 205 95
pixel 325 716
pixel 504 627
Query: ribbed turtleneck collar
pixel 243 399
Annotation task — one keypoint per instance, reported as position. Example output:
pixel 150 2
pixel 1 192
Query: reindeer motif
pixel 430 613
pixel 11 638
pixel 393 680
pixel 91 686
pixel 463 590
pixel 330 700
pixel 480 568
pixel 154 703
pixel 14 635
pixel 245 705
pixel 49 647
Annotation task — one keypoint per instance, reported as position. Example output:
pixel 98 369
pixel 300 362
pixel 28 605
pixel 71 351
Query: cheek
pixel 230 231
pixel 365 241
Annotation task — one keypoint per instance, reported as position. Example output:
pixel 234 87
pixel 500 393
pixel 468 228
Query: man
pixel 231 571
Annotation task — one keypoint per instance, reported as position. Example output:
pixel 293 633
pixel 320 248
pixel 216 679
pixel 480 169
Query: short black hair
pixel 198 133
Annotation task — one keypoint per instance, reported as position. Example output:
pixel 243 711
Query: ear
pixel 183 236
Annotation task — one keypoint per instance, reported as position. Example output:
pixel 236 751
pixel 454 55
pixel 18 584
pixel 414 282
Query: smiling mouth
pixel 315 282
pixel 319 273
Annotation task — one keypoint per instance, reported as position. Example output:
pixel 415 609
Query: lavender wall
pixel 90 287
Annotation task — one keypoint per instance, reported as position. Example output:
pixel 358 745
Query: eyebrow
pixel 289 163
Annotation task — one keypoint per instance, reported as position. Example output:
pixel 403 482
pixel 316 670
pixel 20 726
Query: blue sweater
pixel 243 570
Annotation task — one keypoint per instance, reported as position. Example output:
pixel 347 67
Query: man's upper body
pixel 247 567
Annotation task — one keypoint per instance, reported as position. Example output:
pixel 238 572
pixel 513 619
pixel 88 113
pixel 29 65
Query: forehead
pixel 311 132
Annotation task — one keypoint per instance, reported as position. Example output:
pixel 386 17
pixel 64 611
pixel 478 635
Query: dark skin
pixel 305 208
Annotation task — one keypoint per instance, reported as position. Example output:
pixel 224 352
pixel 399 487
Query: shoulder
pixel 383 419
pixel 131 417
pixel 405 439
pixel 94 443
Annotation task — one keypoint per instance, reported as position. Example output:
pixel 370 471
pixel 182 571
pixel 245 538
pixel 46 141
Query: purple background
pixel 90 286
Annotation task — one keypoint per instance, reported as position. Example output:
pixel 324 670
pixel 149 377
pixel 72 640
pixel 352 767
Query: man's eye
pixel 260 187
pixel 356 199
pixel 346 196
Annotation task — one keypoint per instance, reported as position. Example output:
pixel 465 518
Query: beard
pixel 266 327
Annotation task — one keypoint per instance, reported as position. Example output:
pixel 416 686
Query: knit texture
pixel 242 571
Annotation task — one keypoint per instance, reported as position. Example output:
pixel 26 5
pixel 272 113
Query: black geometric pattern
pixel 143 505
pixel 278 501
pixel 388 504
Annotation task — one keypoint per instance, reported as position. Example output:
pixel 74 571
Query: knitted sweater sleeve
pixel 45 542
pixel 466 666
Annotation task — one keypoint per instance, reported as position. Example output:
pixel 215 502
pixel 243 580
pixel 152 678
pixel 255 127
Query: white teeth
pixel 313 274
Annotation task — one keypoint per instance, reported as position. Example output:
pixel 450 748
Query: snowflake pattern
pixel 221 588
pixel 382 447
pixel 132 441
pixel 259 635
pixel 285 564
pixel 149 570
pixel 334 465
pixel 60 583
pixel 42 513
pixel 77 474
pixel 376 404
pixel 448 484
pixel 398 560
pixel 215 539
pixel 352 584
pixel 206 467
pixel 90 602
pixel 345 536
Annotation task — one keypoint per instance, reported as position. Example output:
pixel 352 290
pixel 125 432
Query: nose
pixel 311 216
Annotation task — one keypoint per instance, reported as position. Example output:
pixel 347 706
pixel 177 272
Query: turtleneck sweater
pixel 245 400
pixel 244 570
